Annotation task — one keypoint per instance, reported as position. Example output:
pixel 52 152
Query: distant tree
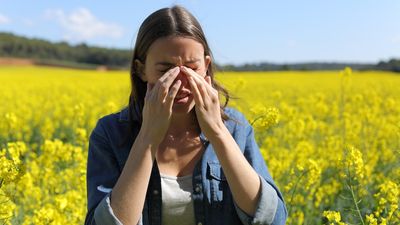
pixel 16 46
pixel 285 67
pixel 44 51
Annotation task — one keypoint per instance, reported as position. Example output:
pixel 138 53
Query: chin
pixel 183 108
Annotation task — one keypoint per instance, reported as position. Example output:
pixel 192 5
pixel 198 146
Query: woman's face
pixel 169 52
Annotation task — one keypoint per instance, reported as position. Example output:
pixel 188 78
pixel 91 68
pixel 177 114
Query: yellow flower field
pixel 331 140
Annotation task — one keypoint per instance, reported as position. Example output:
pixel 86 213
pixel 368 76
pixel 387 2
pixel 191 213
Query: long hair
pixel 176 22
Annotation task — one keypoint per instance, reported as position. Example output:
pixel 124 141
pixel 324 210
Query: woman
pixel 185 159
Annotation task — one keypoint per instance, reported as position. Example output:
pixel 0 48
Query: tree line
pixel 83 55
pixel 62 52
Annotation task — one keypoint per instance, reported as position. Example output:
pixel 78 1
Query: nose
pixel 182 77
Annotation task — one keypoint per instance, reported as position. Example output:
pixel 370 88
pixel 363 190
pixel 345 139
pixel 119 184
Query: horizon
pixel 286 33
pixel 242 64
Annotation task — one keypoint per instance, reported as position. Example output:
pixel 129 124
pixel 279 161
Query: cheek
pixel 152 78
pixel 151 75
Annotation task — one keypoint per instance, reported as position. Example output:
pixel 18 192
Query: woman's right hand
pixel 158 104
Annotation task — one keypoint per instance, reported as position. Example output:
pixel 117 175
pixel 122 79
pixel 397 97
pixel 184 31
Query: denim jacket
pixel 212 199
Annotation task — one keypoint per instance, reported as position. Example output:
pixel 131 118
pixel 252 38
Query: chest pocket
pixel 218 184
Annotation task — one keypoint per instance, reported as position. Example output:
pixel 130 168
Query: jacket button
pixel 155 192
pixel 197 189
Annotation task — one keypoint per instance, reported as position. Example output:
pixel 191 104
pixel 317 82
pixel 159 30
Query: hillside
pixel 43 52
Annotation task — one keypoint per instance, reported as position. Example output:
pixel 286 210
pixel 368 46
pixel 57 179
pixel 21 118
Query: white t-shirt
pixel 177 202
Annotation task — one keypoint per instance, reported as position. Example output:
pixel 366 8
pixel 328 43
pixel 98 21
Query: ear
pixel 140 70
pixel 207 62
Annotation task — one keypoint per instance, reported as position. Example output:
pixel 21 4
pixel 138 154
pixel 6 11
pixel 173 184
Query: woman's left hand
pixel 207 105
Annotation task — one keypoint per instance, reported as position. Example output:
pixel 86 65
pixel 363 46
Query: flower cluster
pixel 330 142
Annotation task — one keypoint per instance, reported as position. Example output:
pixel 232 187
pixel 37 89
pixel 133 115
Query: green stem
pixel 356 204
pixel 256 119
pixel 294 190
pixel 353 195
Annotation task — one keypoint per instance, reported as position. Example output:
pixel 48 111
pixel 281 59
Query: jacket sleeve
pixel 105 214
pixel 102 174
pixel 271 207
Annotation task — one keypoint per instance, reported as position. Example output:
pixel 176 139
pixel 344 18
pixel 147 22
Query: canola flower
pixel 333 217
pixel 264 118
pixel 330 139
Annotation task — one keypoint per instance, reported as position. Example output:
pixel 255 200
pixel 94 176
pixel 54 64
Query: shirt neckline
pixel 174 177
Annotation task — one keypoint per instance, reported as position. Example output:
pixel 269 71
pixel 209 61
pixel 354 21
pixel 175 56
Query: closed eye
pixel 166 70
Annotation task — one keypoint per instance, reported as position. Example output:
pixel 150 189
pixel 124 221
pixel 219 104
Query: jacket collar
pixel 123 114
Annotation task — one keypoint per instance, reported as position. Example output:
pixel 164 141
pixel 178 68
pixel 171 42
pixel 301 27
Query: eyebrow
pixel 191 61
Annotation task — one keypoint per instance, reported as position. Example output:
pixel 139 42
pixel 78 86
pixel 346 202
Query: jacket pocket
pixel 215 171
pixel 218 184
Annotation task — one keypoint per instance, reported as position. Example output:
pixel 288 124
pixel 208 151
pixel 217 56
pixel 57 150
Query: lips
pixel 181 95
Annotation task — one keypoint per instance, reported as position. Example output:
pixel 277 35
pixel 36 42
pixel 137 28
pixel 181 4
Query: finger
pixel 210 94
pixel 191 72
pixel 210 88
pixel 147 90
pixel 208 79
pixel 173 92
pixel 166 81
pixel 208 83
pixel 150 90
pixel 165 76
pixel 206 88
pixel 200 82
pixel 196 93
pixel 173 71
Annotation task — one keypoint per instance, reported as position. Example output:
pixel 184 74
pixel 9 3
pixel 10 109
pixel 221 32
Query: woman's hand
pixel 207 103
pixel 158 104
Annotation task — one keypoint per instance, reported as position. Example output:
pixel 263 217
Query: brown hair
pixel 174 21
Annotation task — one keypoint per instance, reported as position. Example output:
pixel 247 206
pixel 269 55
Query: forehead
pixel 177 50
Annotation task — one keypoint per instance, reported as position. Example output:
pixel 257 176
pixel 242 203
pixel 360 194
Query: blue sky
pixel 239 32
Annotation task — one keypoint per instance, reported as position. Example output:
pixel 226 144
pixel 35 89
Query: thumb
pixel 148 89
pixel 208 79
